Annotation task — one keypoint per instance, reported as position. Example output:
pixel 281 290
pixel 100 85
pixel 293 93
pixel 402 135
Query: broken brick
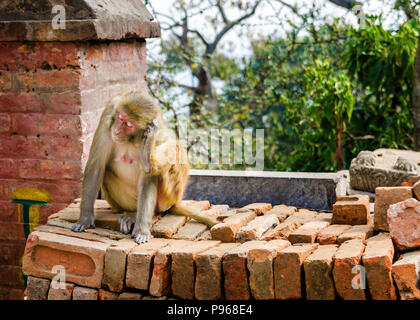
pixel 330 234
pixel 347 262
pixel 107 295
pixel 37 288
pixel 308 232
pixel 377 260
pixel 61 293
pixel 81 293
pixel 318 273
pixel 208 281
pixel 281 231
pixel 258 208
pixel 260 267
pixel 226 231
pixel 406 273
pixel 282 212
pixel 255 228
pixel 288 270
pixel 384 197
pixel 356 232
pixel 352 210
pixel 140 262
pixel 168 225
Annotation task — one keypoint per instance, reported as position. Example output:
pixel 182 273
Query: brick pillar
pixel 54 84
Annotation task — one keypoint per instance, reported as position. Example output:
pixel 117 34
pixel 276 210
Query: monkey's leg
pixel 146 203
pixel 91 184
pixel 147 144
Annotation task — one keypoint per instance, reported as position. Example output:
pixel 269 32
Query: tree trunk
pixel 416 100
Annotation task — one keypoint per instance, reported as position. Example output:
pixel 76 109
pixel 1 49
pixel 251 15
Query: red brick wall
pixel 51 97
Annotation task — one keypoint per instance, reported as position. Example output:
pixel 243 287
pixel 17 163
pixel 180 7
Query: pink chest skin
pixel 123 159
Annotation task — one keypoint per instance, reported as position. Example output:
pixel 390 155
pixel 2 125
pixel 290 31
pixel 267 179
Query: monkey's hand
pixel 146 148
pixel 84 223
pixel 126 223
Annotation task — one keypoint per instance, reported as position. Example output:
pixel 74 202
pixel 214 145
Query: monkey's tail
pixel 188 212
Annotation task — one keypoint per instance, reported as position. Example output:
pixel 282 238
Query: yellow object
pixel 31 194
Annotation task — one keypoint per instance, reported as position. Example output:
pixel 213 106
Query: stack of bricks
pixel 54 84
pixel 256 252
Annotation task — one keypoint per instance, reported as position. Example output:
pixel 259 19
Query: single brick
pixel 330 234
pixel 384 197
pixel 61 293
pixel 196 205
pixel 406 273
pixel 167 226
pixel 190 231
pixel 67 232
pixel 107 295
pixel 208 280
pixel 356 232
pixel 227 214
pixel 140 262
pixel 324 216
pixel 288 270
pixel 404 224
pixel 81 293
pixel 318 273
pixel 260 267
pixel 352 210
pixel 37 288
pixel 281 231
pixel 255 228
pixel 83 260
pixel 227 230
pixel 216 210
pixel 308 232
pixel 129 296
pixel 347 272
pixel 160 282
pixel 282 212
pixel 258 208
pixel 302 216
pixel 115 264
pixel 235 271
pixel 206 235
pixel 183 268
pixel 377 260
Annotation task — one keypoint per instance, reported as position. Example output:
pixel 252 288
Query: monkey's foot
pixel 82 226
pixel 142 238
pixel 126 223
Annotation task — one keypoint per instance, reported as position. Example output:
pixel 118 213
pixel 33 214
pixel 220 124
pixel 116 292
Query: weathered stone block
pixel 226 231
pixel 281 231
pixel 129 296
pixel 288 270
pixel 308 232
pixel 208 281
pixel 377 260
pixel 183 268
pixel 168 225
pixel 318 273
pixel 160 283
pixel 260 267
pixel 115 264
pixel 406 273
pixel 61 293
pixel 83 260
pixel 255 228
pixel 140 262
pixel 258 208
pixel 282 211
pixel 81 293
pixel 356 232
pixel 384 197
pixel 235 271
pixel 352 210
pixel 404 224
pixel 330 234
pixel 347 270
pixel 37 288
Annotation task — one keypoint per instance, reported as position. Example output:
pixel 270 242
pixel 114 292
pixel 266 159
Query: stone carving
pixel 383 168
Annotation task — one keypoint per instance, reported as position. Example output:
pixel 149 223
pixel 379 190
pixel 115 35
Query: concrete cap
pixel 81 20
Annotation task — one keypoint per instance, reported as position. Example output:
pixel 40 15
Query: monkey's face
pixel 123 128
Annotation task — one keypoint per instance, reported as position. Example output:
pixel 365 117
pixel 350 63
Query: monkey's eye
pixel 129 124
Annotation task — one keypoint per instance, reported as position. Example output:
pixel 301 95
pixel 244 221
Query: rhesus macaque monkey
pixel 138 166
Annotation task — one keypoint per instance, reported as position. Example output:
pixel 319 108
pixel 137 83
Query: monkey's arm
pixel 148 144
pixel 93 177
